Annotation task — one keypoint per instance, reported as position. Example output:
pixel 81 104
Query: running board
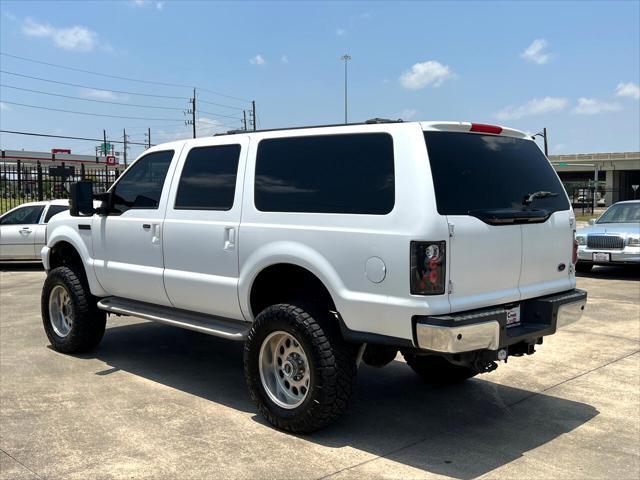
pixel 209 324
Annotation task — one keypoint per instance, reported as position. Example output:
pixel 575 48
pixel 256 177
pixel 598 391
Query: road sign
pixel 111 160
pixel 563 164
pixel 105 148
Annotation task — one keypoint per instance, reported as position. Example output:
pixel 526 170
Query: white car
pixel 612 239
pixel 23 229
pixel 322 247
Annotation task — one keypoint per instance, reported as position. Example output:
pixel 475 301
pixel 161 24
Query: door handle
pixel 146 226
pixel 25 230
pixel 229 238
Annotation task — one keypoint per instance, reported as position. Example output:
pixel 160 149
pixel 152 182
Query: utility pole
pixel 104 145
pixel 346 57
pixel 124 150
pixel 546 145
pixel 244 114
pixel 147 136
pixel 193 112
pixel 253 108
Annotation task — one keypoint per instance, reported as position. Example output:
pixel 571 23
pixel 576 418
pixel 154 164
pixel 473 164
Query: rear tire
pixel 438 370
pixel 70 317
pixel 584 267
pixel 299 372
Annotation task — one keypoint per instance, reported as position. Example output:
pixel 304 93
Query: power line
pixel 88 113
pixel 88 99
pixel 150 82
pixel 32 134
pixel 219 115
pixel 219 104
pixel 91 88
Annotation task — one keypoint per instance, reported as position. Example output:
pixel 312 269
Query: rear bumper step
pixel 486 329
pixel 219 327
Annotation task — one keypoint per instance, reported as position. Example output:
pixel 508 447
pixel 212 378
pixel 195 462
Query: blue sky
pixel 573 67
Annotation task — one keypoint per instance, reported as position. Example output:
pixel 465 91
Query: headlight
pixel 633 241
pixel 581 239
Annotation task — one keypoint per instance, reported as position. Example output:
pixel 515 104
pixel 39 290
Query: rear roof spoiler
pixel 473 127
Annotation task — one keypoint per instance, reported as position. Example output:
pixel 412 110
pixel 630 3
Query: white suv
pixel 322 247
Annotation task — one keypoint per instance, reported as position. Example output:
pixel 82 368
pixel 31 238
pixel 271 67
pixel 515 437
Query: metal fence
pixel 30 182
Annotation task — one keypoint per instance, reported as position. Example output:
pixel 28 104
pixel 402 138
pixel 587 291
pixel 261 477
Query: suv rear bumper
pixel 486 329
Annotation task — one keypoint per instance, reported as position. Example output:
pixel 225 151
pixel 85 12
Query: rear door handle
pixel 146 226
pixel 229 238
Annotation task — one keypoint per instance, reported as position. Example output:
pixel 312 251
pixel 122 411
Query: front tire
pixel 299 372
pixel 71 320
pixel 438 370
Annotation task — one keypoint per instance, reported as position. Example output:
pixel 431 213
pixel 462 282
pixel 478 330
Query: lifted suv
pixel 322 247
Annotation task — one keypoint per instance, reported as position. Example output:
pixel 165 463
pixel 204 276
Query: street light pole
pixel 346 57
pixel 543 134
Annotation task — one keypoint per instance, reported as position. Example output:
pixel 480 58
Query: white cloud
pixel 284 58
pixel 593 106
pixel 631 90
pixel 144 3
pixel 424 74
pixel 408 114
pixel 4 107
pixel 76 38
pixel 257 60
pixel 537 106
pixel 101 94
pixel 341 32
pixel 535 52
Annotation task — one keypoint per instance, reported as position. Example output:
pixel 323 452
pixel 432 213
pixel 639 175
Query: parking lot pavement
pixel 158 402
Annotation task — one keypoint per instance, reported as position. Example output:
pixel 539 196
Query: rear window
pixel 349 173
pixel 489 172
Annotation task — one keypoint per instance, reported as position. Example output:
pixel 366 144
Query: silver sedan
pixel 612 239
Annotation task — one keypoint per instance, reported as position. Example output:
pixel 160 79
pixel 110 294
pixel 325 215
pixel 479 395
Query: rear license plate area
pixel 513 316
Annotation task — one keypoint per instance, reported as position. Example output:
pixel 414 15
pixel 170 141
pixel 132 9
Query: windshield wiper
pixel 530 197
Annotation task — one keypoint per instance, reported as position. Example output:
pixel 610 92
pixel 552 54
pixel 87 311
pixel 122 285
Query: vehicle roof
pixel 369 124
pixel 62 201
pixel 626 201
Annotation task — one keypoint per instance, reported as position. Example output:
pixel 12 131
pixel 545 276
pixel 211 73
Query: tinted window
pixel 54 210
pixel 351 173
pixel 23 216
pixel 208 180
pixel 487 172
pixel 141 184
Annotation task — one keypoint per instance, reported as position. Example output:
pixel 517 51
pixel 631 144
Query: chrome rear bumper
pixel 486 329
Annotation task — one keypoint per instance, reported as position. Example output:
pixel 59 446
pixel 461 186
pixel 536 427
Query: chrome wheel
pixel 284 369
pixel 60 311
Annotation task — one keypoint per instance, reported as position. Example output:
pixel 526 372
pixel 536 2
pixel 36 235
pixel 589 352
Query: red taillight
pixel 428 268
pixel 574 256
pixel 483 128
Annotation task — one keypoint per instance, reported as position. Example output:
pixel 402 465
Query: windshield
pixel 621 213
pixel 473 172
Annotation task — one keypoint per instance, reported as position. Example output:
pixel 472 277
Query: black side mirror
pixel 81 199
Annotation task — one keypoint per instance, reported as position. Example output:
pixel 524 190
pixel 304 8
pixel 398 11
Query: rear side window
pixel 351 173
pixel 54 210
pixel 141 185
pixel 208 180
pixel 488 172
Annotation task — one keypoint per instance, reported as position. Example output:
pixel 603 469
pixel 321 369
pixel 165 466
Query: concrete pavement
pixel 157 402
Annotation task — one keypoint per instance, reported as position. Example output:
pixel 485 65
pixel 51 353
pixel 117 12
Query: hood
pixel 623 229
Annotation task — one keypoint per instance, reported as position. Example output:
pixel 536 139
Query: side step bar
pixel 211 325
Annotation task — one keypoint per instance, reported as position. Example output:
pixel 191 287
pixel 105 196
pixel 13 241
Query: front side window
pixel 208 180
pixel 141 185
pixel 54 210
pixel 23 216
pixel 349 173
